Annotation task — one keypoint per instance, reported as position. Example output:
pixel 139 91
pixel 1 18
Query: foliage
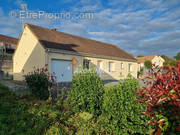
pixel 140 73
pixel 148 64
pixel 161 95
pixel 14 118
pixel 86 93
pixel 54 130
pixel 19 115
pixel 122 112
pixel 168 61
pixel 38 82
pixel 177 57
pixel 140 56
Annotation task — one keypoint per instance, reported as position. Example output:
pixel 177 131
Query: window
pixel 111 66
pixel 122 65
pixel 86 64
pixel 130 67
pixel 9 45
pixel 6 45
pixel 1 43
pixel 99 66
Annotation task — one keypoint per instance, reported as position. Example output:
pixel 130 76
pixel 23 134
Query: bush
pixel 162 99
pixel 148 64
pixel 123 113
pixel 86 93
pixel 38 82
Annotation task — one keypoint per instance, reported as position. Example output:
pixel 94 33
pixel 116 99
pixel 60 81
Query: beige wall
pixel 29 54
pixel 117 74
pixel 158 61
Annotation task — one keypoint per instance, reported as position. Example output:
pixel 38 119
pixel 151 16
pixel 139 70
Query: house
pixel 7 47
pixel 7 44
pixel 66 54
pixel 155 59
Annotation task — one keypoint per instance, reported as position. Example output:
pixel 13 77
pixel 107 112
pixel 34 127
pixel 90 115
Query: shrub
pixel 38 82
pixel 148 64
pixel 140 73
pixel 86 93
pixel 123 113
pixel 161 95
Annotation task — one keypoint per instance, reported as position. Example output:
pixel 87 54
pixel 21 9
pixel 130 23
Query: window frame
pixel 111 66
pixel 130 67
pixel 122 65
pixel 86 64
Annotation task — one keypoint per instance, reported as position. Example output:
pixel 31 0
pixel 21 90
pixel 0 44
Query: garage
pixel 62 70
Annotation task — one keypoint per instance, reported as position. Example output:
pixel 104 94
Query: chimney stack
pixel 54 29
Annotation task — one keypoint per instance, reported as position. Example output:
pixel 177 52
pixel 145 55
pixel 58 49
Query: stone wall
pixel 6 67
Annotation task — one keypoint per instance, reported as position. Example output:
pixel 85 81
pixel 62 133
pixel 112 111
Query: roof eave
pixel 51 50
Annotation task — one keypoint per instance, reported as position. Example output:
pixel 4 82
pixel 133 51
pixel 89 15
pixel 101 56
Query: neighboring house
pixel 155 59
pixel 7 47
pixel 7 44
pixel 66 54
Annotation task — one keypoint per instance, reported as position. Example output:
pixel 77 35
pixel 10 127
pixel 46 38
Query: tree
pixel 177 57
pixel 168 61
pixel 148 64
pixel 140 56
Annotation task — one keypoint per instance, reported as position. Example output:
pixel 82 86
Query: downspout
pixel 47 58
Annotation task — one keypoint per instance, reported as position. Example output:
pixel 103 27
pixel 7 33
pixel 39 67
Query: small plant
pixel 86 93
pixel 38 83
pixel 161 95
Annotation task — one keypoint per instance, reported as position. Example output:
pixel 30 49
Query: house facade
pixel 7 44
pixel 155 59
pixel 67 54
pixel 7 47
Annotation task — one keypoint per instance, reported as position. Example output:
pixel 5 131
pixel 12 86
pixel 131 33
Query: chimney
pixel 54 29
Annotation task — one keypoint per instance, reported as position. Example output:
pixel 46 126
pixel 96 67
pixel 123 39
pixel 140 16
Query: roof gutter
pixel 50 50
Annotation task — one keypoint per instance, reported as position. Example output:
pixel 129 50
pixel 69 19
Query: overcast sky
pixel 141 27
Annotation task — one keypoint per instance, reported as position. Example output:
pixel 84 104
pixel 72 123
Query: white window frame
pixel 111 66
pixel 130 67
pixel 99 64
pixel 122 65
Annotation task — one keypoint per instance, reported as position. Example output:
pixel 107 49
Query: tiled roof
pixel 51 38
pixel 145 58
pixel 7 39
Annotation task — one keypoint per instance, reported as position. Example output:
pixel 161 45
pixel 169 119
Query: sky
pixel 140 27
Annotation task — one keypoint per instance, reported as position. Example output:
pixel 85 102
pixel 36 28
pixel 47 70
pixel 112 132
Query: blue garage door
pixel 62 69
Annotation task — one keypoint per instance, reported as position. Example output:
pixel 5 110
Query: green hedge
pixel 121 109
pixel 86 93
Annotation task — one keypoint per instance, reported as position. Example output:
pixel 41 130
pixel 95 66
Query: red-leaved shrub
pixel 39 82
pixel 161 94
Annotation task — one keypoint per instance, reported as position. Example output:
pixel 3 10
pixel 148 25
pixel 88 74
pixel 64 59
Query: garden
pixel 90 108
